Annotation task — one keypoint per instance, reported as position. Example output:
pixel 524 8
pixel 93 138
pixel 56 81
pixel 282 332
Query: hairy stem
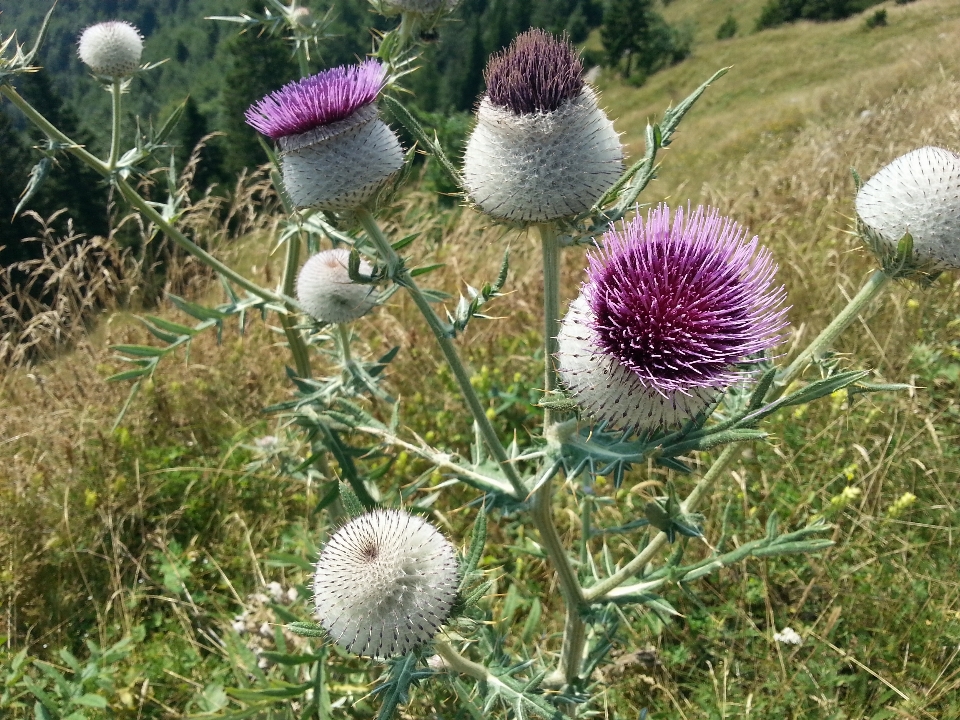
pixel 551 310
pixel 149 212
pixel 134 198
pixel 597 593
pixel 458 663
pixel 343 337
pixel 401 276
pixel 298 348
pixel 116 92
pixel 51 131
pixel 870 290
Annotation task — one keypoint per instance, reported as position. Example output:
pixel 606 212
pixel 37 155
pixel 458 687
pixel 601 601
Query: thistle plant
pixel 669 349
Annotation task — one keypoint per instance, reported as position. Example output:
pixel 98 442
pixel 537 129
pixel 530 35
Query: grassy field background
pixel 163 526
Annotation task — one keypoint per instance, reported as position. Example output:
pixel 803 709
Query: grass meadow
pixel 161 529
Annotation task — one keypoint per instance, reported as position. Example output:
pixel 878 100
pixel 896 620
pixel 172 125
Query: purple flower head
pixel 318 100
pixel 537 73
pixel 667 312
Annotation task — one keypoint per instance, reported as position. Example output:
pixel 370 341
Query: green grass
pixel 172 500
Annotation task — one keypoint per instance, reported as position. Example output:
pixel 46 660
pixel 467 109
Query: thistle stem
pixel 134 198
pixel 116 92
pixel 298 348
pixel 458 663
pixel 343 333
pixel 51 131
pixel 303 61
pixel 870 290
pixel 574 632
pixel 597 593
pixel 401 276
pixel 551 310
pixel 149 212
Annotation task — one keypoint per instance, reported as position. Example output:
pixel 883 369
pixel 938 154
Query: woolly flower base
pixel 326 292
pixel 666 314
pixel 340 166
pixel 385 583
pixel 541 166
pixel 917 193
pixel 111 49
pixel 337 153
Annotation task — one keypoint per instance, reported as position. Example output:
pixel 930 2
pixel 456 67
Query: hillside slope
pixel 780 81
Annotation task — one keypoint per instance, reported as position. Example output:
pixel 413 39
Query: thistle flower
pixel 385 583
pixel 917 193
pixel 542 148
pixel 336 152
pixel 111 49
pixel 327 293
pixel 667 312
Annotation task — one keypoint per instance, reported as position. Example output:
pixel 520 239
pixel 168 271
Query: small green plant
pixel 877 19
pixel 728 28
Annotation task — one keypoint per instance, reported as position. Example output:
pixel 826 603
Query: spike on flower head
pixel 917 193
pixel 111 49
pixel 327 293
pixel 385 583
pixel 337 152
pixel 542 148
pixel 318 100
pixel 537 73
pixel 667 312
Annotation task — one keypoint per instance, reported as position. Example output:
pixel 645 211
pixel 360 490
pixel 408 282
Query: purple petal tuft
pixel 681 304
pixel 537 73
pixel 318 100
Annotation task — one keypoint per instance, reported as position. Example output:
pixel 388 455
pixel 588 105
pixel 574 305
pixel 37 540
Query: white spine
pixel 541 166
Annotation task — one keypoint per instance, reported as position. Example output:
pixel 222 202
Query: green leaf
pixel 400 244
pixel 170 123
pixel 169 326
pixel 288 560
pixel 139 350
pixel 351 503
pixel 288 659
pixel 397 687
pixel 194 310
pixel 307 629
pixel 130 374
pixel 280 691
pixel 477 541
pixel 425 270
pixel 91 700
pixel 38 173
pixel 531 627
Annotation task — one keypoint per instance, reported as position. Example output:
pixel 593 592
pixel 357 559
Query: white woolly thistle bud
pixel 111 49
pixel 918 193
pixel 326 292
pixel 336 152
pixel 542 148
pixel 385 583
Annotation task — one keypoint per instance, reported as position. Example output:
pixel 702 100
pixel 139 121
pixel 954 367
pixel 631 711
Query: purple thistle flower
pixel 337 153
pixel 537 73
pixel 318 100
pixel 667 312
